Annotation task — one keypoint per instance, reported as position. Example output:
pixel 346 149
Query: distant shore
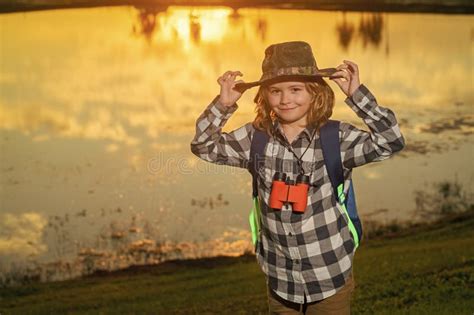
pixel 416 6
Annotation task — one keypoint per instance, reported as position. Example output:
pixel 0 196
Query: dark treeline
pixel 424 6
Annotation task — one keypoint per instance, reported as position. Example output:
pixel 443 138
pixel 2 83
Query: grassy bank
pixel 426 270
pixel 426 6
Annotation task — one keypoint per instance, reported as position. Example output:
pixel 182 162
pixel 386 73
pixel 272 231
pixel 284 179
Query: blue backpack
pixel 332 158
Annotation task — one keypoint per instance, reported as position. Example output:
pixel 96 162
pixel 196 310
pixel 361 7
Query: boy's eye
pixel 278 91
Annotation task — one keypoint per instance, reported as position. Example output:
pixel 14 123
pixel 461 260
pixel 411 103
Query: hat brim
pixel 327 72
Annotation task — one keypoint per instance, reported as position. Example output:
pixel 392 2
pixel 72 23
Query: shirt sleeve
pixel 359 147
pixel 213 145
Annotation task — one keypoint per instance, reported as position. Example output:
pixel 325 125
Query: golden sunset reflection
pixel 188 26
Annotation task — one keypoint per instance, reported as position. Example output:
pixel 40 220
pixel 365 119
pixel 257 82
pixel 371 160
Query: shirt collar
pixel 307 132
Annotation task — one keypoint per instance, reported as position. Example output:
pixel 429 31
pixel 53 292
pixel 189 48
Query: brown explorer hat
pixel 288 61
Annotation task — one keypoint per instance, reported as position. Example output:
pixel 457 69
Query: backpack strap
pixel 259 141
pixel 257 147
pixel 332 152
pixel 332 158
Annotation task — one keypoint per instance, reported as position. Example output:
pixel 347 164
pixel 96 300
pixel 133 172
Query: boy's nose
pixel 285 98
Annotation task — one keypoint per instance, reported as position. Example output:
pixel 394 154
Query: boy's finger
pixel 349 66
pixel 236 73
pixel 343 66
pixel 340 73
pixel 352 64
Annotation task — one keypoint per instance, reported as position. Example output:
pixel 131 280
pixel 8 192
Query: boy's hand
pixel 347 77
pixel 228 96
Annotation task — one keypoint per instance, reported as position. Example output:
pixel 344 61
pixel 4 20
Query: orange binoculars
pixel 286 191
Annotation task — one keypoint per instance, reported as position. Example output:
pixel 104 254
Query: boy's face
pixel 290 101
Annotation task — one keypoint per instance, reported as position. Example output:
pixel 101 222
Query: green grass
pixel 427 271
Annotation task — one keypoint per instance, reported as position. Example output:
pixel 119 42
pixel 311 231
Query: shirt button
pixel 297 261
pixel 290 234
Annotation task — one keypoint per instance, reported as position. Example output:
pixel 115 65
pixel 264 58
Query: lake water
pixel 97 111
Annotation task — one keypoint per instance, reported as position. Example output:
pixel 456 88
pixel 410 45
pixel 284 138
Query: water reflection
pixel 261 26
pixel 188 25
pixel 120 244
pixel 146 24
pixel 346 32
pixel 210 202
pixel 463 125
pixel 194 28
pixel 370 30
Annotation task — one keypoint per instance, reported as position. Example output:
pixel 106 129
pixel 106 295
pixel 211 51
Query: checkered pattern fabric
pixel 310 253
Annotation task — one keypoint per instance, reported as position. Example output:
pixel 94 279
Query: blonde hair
pixel 322 104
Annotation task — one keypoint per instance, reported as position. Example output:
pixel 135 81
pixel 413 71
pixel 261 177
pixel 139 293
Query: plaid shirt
pixel 311 253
